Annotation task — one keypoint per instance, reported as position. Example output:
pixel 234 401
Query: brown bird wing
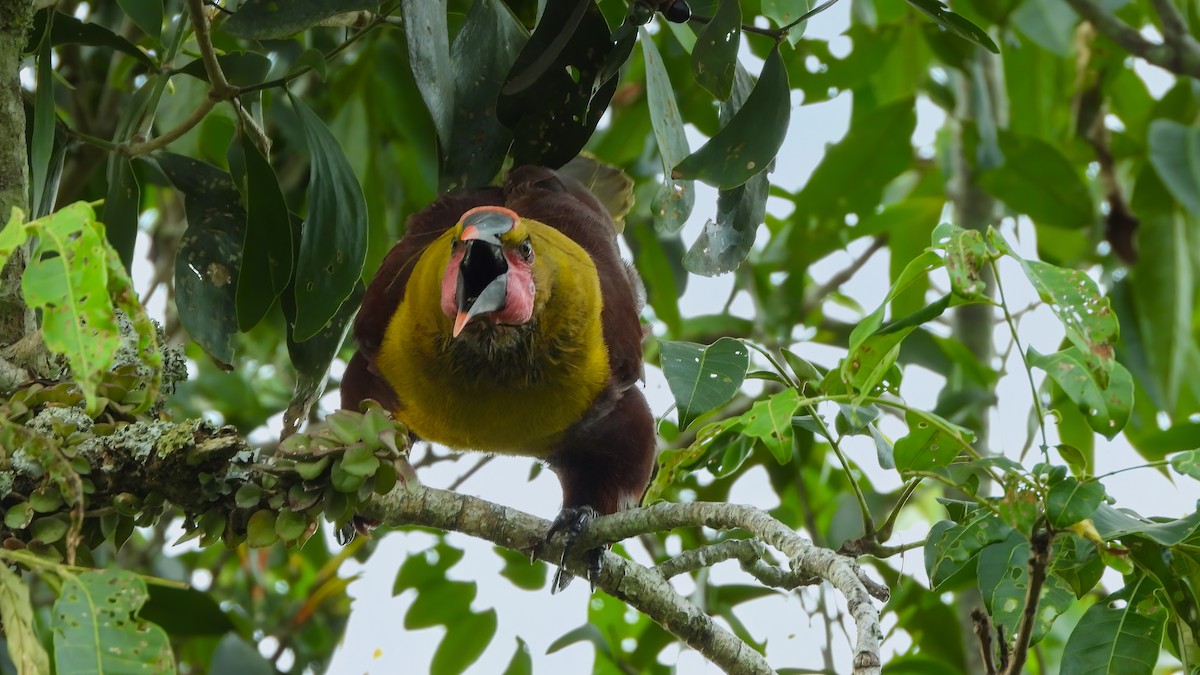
pixel 563 203
pixel 386 290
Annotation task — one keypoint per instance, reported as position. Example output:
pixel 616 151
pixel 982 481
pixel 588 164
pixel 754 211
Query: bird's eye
pixel 525 249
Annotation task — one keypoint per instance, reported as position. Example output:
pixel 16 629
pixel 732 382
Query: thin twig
pixel 483 461
pixel 983 631
pixel 817 296
pixel 1012 328
pixel 1039 562
pixel 164 139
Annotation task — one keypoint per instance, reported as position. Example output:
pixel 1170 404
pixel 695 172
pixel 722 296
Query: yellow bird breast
pixel 504 389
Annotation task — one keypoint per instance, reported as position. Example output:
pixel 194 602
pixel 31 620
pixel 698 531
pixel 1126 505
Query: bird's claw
pixel 572 522
pixel 357 525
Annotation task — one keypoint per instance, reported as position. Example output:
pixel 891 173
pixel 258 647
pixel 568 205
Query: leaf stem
pixel 1012 329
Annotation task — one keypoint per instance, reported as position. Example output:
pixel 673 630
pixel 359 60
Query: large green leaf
pixel 20 631
pixel 1105 406
pixel 556 91
pixel 675 199
pixel 1175 155
pixel 68 30
pixel 96 628
pixel 1119 634
pixel 428 40
pixel 702 378
pixel 714 56
pixel 267 250
pixel 1049 23
pixel 1114 523
pixel 465 640
pixel 725 242
pixel 951 547
pixel 41 144
pixel 931 442
pixel 209 258
pixel 746 145
pixel 312 357
pixel 955 23
pixel 1070 501
pixel 265 19
pixel 770 421
pixel 1003 574
pixel 1087 317
pixel 484 50
pixel 1037 180
pixel 333 243
pixel 147 14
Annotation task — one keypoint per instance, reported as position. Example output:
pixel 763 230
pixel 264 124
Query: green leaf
pixel 673 203
pixel 1090 323
pixel 70 289
pixel 484 50
pixel 185 612
pixel 464 642
pixel 747 144
pixel 67 30
pixel 557 89
pixel 931 442
pixel 428 567
pixel 359 460
pixel 41 144
pixel 954 23
pixel 1003 574
pixel 428 41
pixel 312 357
pixel 235 656
pixel 147 14
pixel 260 529
pixel 1070 501
pixel 1106 408
pixel 952 548
pixel 1175 155
pixel 702 378
pixel 524 573
pixel 96 628
pixel 265 19
pixel 1049 23
pixel 770 421
pixel 714 56
pixel 1035 179
pixel 1120 634
pixel 209 259
pixel 1187 463
pixel 966 257
pixel 333 243
pixel 267 250
pixel 521 662
pixel 20 631
pixel 784 12
pixel 724 243
pixel 241 69
pixel 442 603
pixel 1114 523
pixel 290 526
pixel 122 204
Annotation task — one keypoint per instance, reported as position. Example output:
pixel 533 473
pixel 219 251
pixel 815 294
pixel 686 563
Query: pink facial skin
pixel 518 303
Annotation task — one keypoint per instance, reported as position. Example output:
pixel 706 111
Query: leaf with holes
pixel 702 378
pixel 1003 574
pixel 96 628
pixel 714 56
pixel 966 256
pixel 1105 406
pixel 952 548
pixel 931 442
pixel 209 258
pixel 1119 634
pixel 1089 320
pixel 674 201
pixel 770 421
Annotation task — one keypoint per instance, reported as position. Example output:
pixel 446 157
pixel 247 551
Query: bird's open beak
pixel 482 280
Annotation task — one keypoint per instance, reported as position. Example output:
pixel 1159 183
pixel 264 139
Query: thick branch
pixel 1179 53
pixel 1039 562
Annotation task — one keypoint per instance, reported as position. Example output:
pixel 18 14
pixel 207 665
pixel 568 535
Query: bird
pixel 505 321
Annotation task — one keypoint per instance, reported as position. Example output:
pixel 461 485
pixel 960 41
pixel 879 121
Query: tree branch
pixel 1039 562
pixel 1178 53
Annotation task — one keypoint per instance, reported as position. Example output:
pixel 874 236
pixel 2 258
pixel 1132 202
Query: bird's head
pixel 490 273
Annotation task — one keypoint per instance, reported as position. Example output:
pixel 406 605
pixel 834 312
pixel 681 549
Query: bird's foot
pixel 572 522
